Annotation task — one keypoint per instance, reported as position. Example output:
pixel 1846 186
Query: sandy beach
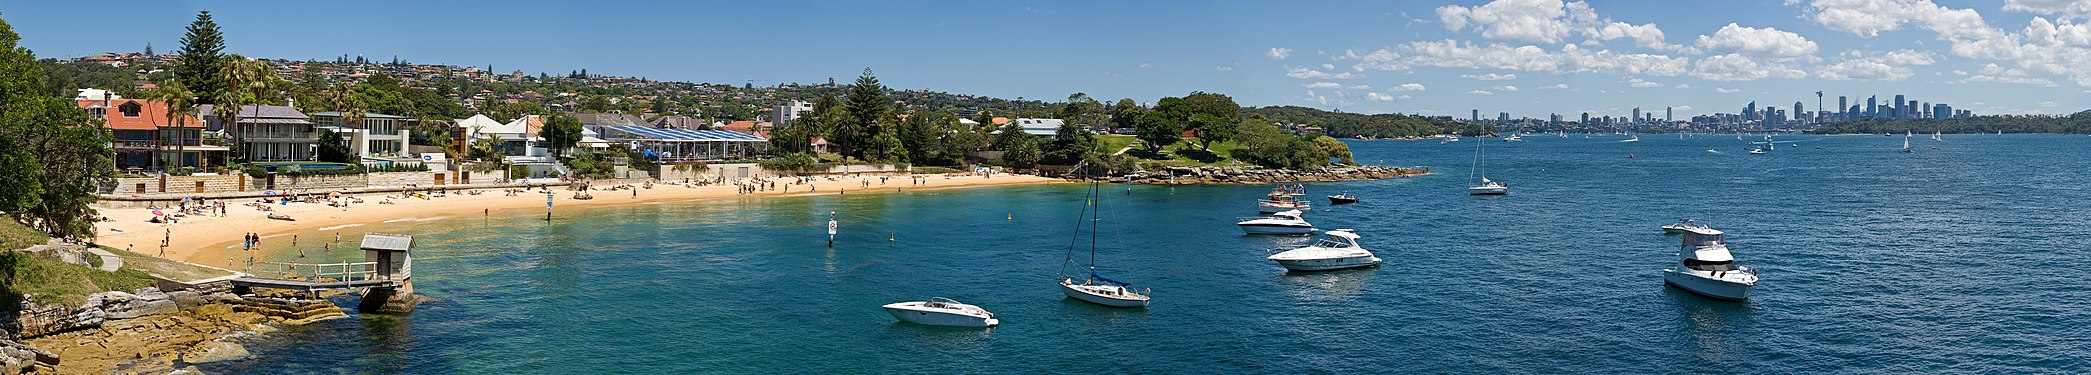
pixel 207 239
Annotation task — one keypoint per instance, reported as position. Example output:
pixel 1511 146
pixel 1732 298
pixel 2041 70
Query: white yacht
pixel 1681 225
pixel 1489 187
pixel 1708 269
pixel 1339 251
pixel 1103 291
pixel 1288 222
pixel 1514 138
pixel 942 311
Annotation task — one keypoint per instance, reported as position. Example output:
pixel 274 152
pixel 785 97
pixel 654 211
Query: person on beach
pixel 337 237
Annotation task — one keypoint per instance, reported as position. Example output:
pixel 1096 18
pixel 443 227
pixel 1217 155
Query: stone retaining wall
pixel 182 184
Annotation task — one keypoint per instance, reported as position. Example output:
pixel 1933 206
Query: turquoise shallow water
pixel 1963 258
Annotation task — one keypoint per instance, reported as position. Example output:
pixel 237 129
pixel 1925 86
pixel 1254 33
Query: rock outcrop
pixel 1253 175
pixel 145 330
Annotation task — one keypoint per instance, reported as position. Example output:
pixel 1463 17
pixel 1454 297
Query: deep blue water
pixel 1966 257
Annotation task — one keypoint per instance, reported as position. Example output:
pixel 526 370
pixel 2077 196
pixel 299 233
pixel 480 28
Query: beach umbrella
pixel 156 212
pixel 269 192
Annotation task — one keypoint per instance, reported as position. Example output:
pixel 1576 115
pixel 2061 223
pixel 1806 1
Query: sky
pixel 1527 57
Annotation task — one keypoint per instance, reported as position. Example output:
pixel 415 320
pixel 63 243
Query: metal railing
pixel 340 272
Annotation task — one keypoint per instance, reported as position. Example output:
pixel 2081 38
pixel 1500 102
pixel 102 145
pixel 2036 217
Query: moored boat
pixel 1707 268
pixel 1288 222
pixel 942 311
pixel 1343 198
pixel 1339 251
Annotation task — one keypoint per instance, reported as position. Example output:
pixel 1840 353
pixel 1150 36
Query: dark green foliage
pixel 795 162
pixel 196 65
pixel 1265 145
pixel 334 149
pixel 1157 130
pixel 561 132
pixel 66 79
pixel 2077 123
pixel 866 134
pixel 1353 125
pixel 54 158
pixel 1023 154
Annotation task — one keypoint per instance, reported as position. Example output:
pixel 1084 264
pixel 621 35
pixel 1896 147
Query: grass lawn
pixel 170 269
pixel 51 280
pixel 1112 143
pixel 15 236
pixel 1187 153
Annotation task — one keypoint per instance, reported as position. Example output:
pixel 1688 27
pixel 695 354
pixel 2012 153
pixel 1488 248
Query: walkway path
pixel 110 262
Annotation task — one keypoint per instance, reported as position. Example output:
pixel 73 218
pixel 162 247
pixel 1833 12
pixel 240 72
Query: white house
pixel 1040 126
pixel 380 136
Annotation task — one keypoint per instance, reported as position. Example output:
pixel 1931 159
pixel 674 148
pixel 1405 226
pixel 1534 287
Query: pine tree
pixel 203 52
pixel 148 49
pixel 868 106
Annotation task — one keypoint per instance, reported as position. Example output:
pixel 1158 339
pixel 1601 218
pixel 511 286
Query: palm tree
pixel 352 111
pixel 179 101
pixel 245 82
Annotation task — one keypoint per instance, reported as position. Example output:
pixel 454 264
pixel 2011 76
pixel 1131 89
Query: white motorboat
pixel 1757 151
pixel 1514 138
pixel 1708 269
pixel 1339 251
pixel 1288 222
pixel 1269 206
pixel 942 311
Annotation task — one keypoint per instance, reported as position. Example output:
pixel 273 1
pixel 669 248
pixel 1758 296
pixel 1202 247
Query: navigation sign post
pixel 831 228
pixel 548 204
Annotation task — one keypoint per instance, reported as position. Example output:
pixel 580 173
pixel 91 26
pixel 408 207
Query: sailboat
pixel 1096 288
pixel 1935 136
pixel 1486 187
pixel 1905 144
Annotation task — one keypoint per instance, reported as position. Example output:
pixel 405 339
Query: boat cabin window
pixel 1333 244
pixel 1710 265
pixel 1695 239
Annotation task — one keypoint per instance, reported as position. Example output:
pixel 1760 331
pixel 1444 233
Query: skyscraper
pixel 1586 119
pixel 1669 114
pixel 1901 107
pixel 1477 115
pixel 1841 104
pixel 1872 107
pixel 1637 114
pixel 1797 112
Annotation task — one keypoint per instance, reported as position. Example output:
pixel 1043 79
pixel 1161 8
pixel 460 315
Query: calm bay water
pixel 1959 258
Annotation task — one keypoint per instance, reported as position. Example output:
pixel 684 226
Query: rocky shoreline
pixel 1256 175
pixel 147 330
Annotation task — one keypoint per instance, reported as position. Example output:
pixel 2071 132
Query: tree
pixel 1125 114
pixel 197 63
pixel 333 149
pixel 1023 154
pixel 561 132
pixel 868 106
pixel 1009 136
pixel 1211 129
pixel 179 101
pixel 1333 147
pixel 243 82
pixel 54 157
pixel 1158 131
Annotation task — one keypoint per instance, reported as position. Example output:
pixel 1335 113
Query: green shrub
pixel 934 170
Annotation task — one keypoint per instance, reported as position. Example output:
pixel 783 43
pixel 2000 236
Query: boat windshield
pixel 1725 265
pixel 1332 244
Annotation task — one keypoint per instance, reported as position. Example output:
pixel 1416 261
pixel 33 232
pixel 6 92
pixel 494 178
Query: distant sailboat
pixel 1486 187
pixel 1935 136
pixel 1905 144
pixel 1096 288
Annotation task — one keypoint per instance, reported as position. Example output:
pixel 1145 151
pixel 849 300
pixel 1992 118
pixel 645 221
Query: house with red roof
pixel 144 137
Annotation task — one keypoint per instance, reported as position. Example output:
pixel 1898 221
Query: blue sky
pixel 1527 57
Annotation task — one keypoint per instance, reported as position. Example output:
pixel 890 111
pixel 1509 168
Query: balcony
pixel 281 137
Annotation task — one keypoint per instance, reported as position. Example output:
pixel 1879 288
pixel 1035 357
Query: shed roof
pixel 382 241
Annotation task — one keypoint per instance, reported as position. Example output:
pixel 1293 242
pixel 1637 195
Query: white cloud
pixel 1506 88
pixel 1146 66
pixel 1403 97
pixel 1489 77
pixel 1725 90
pixel 1323 85
pixel 1735 67
pixel 1683 86
pixel 1279 53
pixel 1328 66
pixel 1557 86
pixel 1480 92
pixel 2049 103
pixel 1765 42
pixel 1570 59
pixel 2060 8
pixel 1412 86
pixel 1545 21
pixel 1306 73
pixel 1681 108
pixel 1223 68
pixel 1641 83
pixel 2008 79
pixel 1871 17
pixel 1378 97
pixel 1360 87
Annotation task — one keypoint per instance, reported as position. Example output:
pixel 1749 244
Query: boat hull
pixel 1269 209
pixel 1336 200
pixel 1488 190
pixel 1275 229
pixel 1707 286
pixel 1329 264
pixel 936 318
pixel 1085 293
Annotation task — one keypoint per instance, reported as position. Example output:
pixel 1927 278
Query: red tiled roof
pixel 151 114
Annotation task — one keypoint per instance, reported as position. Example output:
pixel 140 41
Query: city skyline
pixel 1530 58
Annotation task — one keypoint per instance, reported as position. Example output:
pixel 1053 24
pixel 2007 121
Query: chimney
pixel 290 102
